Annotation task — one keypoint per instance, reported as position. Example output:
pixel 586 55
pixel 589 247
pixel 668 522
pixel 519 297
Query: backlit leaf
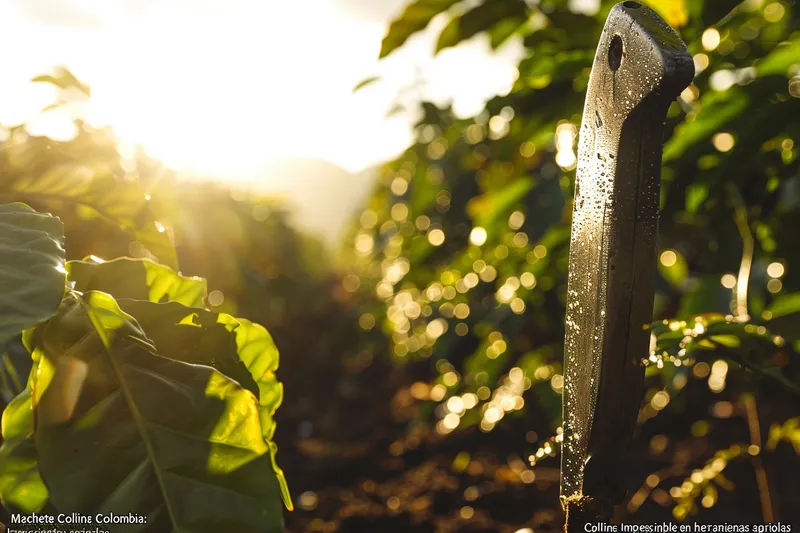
pixel 138 279
pixel 97 193
pixel 238 348
pixel 415 17
pixel 780 60
pixel 122 428
pixel 63 79
pixel 365 82
pixel 785 304
pixel 480 19
pixel 21 485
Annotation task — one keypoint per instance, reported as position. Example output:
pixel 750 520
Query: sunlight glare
pixel 219 88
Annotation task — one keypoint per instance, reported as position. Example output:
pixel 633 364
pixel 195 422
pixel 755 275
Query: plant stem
pixel 748 247
pixel 761 475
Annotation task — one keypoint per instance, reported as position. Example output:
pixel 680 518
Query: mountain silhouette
pixel 321 196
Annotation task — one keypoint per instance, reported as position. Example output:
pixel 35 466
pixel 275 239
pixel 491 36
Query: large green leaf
pixel 32 273
pixel 483 17
pixel 238 348
pixel 107 444
pixel 139 279
pixel 414 18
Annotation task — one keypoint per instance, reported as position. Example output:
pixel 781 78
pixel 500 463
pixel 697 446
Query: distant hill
pixel 321 195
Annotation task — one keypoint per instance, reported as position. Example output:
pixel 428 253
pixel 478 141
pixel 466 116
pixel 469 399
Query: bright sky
pixel 223 86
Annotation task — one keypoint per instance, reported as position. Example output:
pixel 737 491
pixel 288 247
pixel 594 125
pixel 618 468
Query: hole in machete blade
pixel 615 53
pixel 632 5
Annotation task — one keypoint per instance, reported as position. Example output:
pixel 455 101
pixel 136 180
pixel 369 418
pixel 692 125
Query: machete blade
pixel 640 67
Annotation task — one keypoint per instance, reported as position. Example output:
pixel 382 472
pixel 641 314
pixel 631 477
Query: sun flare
pixel 219 88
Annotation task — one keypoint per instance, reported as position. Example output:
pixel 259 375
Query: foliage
pixel 255 263
pixel 459 262
pixel 32 254
pixel 91 432
pixel 84 176
pixel 465 240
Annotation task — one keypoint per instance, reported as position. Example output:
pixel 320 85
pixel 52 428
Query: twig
pixel 761 475
pixel 748 246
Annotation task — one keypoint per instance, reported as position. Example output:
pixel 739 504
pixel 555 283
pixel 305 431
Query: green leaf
pixel 486 208
pixel 122 428
pixel 481 19
pixel 729 341
pixel 780 60
pixel 718 109
pixel 705 295
pixel 785 304
pixel 258 352
pixel 414 18
pixel 505 29
pixel 15 366
pixel 557 66
pixel 711 12
pixel 677 272
pixel 566 31
pixel 32 274
pixel 786 325
pixel 138 279
pixel 696 194
pixel 366 81
pixel 98 192
pixel 10 382
pixel 21 485
pixel 63 79
pixel 241 350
